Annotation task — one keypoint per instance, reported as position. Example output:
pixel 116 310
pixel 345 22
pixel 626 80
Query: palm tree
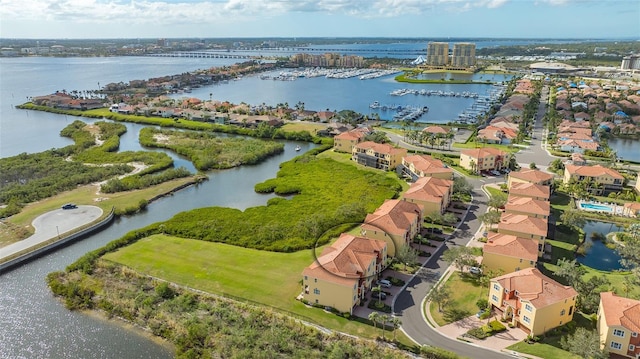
pixel 383 320
pixel 396 323
pixel 374 317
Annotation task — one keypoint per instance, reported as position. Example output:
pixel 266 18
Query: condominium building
pixel 433 193
pixel 378 155
pixel 396 222
pixel 619 325
pixel 438 54
pixel 416 166
pixel 464 54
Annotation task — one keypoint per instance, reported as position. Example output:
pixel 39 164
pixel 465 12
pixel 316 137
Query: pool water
pixel 596 207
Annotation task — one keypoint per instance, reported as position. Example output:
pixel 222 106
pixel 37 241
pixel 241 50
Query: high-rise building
pixel 438 54
pixel 464 54
pixel 631 62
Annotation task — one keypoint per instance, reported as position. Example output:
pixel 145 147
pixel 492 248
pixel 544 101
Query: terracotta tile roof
pixel 350 135
pixel 511 246
pixel 380 148
pixel 531 175
pixel 529 190
pixel 633 206
pixel 621 311
pixel 427 164
pixel 521 223
pixel 593 171
pixel 577 143
pixel 394 216
pixel 535 287
pixel 429 189
pixel 435 129
pixel 483 152
pixel 527 205
pixel 346 260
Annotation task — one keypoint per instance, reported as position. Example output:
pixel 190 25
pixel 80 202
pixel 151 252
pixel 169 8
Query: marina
pixel 330 73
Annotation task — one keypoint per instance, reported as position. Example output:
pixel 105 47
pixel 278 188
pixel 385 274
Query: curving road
pixel 52 224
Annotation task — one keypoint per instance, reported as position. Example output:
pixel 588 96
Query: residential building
pixel 528 206
pixel 497 135
pixel 508 253
pixel 434 194
pixel 344 272
pixel 345 141
pixel 602 180
pixel 619 325
pixel 483 159
pixel 526 227
pixel 396 222
pixel 417 166
pixel 532 301
pixel 535 191
pixel 435 130
pixel 631 209
pixel 530 176
pixel 378 155
pixel 637 187
pixel 438 54
pixel 464 55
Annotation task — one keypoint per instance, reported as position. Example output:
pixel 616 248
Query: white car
pixel 475 270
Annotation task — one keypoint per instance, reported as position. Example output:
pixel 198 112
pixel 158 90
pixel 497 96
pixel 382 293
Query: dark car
pixel 69 206
pixel 436 230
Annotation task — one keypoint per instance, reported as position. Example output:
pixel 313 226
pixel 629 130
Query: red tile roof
pixel 380 148
pixel 529 190
pixel 427 164
pixel 521 223
pixel 429 189
pixel 593 171
pixel 394 216
pixel 531 175
pixel 535 287
pixel 483 152
pixel 621 311
pixel 511 246
pixel 527 205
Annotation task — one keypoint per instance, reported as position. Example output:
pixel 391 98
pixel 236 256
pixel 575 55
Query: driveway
pixel 496 342
pixel 52 224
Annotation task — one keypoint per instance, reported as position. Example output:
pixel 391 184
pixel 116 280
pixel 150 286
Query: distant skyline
pixel 102 19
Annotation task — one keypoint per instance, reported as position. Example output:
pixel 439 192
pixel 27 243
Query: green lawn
pixel 472 144
pixel 303 126
pixel 465 291
pixel 262 277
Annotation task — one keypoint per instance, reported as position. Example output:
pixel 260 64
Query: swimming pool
pixel 596 207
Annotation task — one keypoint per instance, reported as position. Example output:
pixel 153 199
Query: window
pixel 528 307
pixel 315 280
pixel 618 333
pixel 517 293
pixel 615 345
pixel 496 287
pixel 520 260
pixel 506 290
pixel 306 278
pixel 570 310
pixel 634 334
pixel 632 347
pixel 526 319
pixel 494 298
pixel 316 291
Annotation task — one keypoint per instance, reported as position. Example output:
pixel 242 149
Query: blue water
pixel 596 207
pixel 598 256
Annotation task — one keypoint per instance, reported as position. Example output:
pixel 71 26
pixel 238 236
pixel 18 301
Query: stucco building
pixel 396 222
pixel 619 325
pixel 378 155
pixel 417 166
pixel 508 253
pixel 530 176
pixel 483 159
pixel 434 194
pixel 602 180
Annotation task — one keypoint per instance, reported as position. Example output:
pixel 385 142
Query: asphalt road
pixel 52 224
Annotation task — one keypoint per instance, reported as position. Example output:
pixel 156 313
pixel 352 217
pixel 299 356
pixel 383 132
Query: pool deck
pixel 612 208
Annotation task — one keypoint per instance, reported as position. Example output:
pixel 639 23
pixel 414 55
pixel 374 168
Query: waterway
pixel 33 324
pixel 626 148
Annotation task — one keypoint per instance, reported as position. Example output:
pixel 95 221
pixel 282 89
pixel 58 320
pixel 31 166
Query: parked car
pixel 69 206
pixel 495 173
pixel 475 270
pixel 384 283
pixel 437 230
pixel 380 295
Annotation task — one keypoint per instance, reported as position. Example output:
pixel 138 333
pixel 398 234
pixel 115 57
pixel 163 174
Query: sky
pixel 96 19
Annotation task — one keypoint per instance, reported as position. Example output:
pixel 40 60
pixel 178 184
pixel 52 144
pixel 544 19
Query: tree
pixel 407 255
pixel 374 317
pixel 459 257
pixel 572 271
pixel 461 186
pixel 533 166
pixel 449 219
pixel 490 218
pixel 434 217
pixel 383 320
pixel 584 343
pixel 573 218
pixel 497 201
pixel 395 323
pixel 630 249
pixel 439 295
pixel 556 165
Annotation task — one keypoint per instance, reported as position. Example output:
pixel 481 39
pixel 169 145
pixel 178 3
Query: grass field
pixel 260 277
pixel 465 291
pixel 303 126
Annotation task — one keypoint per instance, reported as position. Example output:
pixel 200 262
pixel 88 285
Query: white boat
pixel 298 148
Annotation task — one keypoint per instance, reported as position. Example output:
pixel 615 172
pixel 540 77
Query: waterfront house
pixel 396 222
pixel 528 206
pixel 345 141
pixel 491 134
pixel 416 166
pixel 619 325
pixel 378 155
pixel 509 253
pixel 483 159
pixel 434 194
pixel 576 146
pixel 344 272
pixel 530 176
pixel 532 301
pixel 602 180
pixel 435 130
pixel 535 191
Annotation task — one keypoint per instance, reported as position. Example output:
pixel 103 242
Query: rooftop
pixel 535 287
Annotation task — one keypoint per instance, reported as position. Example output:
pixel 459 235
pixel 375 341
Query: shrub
pixel 497 327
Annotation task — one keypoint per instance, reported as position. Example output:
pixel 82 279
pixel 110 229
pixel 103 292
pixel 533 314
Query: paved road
pixel 51 224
